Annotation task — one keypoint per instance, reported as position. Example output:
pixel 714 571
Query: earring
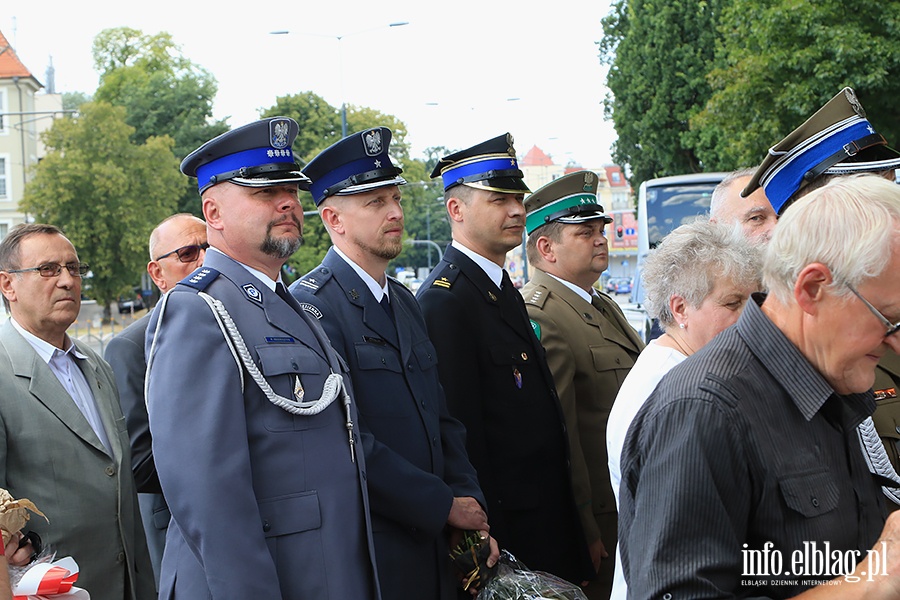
pixel 681 325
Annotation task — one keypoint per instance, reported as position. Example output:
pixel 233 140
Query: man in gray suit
pixel 63 441
pixel 254 427
pixel 177 247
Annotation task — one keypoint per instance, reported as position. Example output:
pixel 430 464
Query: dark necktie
pixel 386 305
pixel 284 295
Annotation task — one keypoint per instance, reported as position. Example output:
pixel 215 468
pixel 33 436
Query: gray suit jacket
pixel 50 454
pixel 265 504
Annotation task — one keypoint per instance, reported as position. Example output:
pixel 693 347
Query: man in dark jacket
pixel 423 489
pixel 493 368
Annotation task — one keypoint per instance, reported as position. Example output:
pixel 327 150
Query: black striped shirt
pixel 741 471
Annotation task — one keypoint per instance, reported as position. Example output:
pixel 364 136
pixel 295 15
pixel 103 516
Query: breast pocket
pixel 612 363
pixel 291 370
pixel 516 368
pixel 426 355
pixel 811 494
pixel 376 357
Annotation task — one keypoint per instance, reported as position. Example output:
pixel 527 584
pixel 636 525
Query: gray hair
pixel 849 225
pixel 690 260
pixel 720 193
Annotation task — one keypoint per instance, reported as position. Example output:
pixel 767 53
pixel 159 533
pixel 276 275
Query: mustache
pixel 290 217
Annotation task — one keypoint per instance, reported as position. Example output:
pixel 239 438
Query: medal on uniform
pixel 517 376
pixel 885 394
pixel 298 390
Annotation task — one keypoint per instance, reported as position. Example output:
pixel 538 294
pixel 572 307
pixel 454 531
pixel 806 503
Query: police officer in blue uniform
pixel 421 484
pixel 494 370
pixel 254 428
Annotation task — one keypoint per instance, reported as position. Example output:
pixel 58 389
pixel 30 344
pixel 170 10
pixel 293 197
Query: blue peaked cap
pixel 357 163
pixel 255 155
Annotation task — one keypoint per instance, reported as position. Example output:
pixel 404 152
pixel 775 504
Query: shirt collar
pixel 804 384
pixel 45 349
pixel 265 279
pixel 581 293
pixel 370 282
pixel 490 268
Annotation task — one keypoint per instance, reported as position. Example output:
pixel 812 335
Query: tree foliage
pixel 790 58
pixel 659 53
pixel 712 85
pixel 163 93
pixel 106 192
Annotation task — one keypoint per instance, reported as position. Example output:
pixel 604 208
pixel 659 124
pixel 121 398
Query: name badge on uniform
pixel 280 340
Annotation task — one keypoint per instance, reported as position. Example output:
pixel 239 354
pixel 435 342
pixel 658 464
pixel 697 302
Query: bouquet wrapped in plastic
pixel 43 577
pixel 509 579
pixel 46 578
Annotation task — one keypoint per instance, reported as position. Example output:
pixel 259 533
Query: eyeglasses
pixel 186 254
pixel 54 269
pixel 892 328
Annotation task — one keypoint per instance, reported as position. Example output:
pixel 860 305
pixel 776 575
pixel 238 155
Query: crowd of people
pixel 340 438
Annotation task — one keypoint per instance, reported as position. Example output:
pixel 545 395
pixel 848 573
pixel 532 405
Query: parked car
pixel 623 286
pixel 128 305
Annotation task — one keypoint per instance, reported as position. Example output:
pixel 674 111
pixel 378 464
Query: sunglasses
pixel 54 269
pixel 186 254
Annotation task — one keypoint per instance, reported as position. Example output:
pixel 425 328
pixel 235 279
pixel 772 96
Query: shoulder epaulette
pixel 537 296
pixel 315 279
pixel 446 277
pixel 200 278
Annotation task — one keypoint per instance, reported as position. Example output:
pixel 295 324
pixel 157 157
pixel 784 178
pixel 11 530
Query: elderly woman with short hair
pixel 696 282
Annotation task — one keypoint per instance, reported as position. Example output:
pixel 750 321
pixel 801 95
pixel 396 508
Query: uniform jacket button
pixel 266 526
pixel 110 470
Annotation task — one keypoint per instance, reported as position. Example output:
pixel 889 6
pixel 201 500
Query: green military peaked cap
pixel 571 198
pixel 837 139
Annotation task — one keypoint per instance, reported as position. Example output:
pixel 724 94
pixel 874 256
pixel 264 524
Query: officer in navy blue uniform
pixel 254 428
pixel 494 370
pixel 421 484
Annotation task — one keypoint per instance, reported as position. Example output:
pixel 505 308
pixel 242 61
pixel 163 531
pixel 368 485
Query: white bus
pixel 664 204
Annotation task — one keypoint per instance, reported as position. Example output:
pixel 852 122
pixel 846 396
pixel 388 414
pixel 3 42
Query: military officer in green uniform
pixel 836 141
pixel 589 344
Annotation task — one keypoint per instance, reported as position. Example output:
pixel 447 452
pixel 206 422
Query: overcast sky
pixel 450 74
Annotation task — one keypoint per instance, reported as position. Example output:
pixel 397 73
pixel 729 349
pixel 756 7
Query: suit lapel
pixel 44 386
pixel 511 311
pixel 104 398
pixel 359 296
pixel 610 324
pixel 289 318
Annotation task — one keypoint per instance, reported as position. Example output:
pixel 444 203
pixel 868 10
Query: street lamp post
pixel 339 38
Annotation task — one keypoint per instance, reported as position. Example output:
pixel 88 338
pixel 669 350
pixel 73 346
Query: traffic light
pixel 619 232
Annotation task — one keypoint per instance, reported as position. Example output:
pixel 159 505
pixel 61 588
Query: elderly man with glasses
pixel 62 442
pixel 177 247
pixel 742 474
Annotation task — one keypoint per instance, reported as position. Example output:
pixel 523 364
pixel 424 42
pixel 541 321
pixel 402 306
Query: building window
pixel 3 110
pixel 4 164
pixel 616 177
pixel 4 230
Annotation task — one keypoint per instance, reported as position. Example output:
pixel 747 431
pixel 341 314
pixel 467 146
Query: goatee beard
pixel 282 247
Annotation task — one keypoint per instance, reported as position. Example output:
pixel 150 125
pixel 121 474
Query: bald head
pixel 754 213
pixel 166 267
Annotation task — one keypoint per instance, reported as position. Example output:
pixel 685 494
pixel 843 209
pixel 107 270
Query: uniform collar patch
pixel 252 293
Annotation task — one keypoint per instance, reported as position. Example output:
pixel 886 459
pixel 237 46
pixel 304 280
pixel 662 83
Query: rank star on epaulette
pixel 252 293
pixel 442 282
